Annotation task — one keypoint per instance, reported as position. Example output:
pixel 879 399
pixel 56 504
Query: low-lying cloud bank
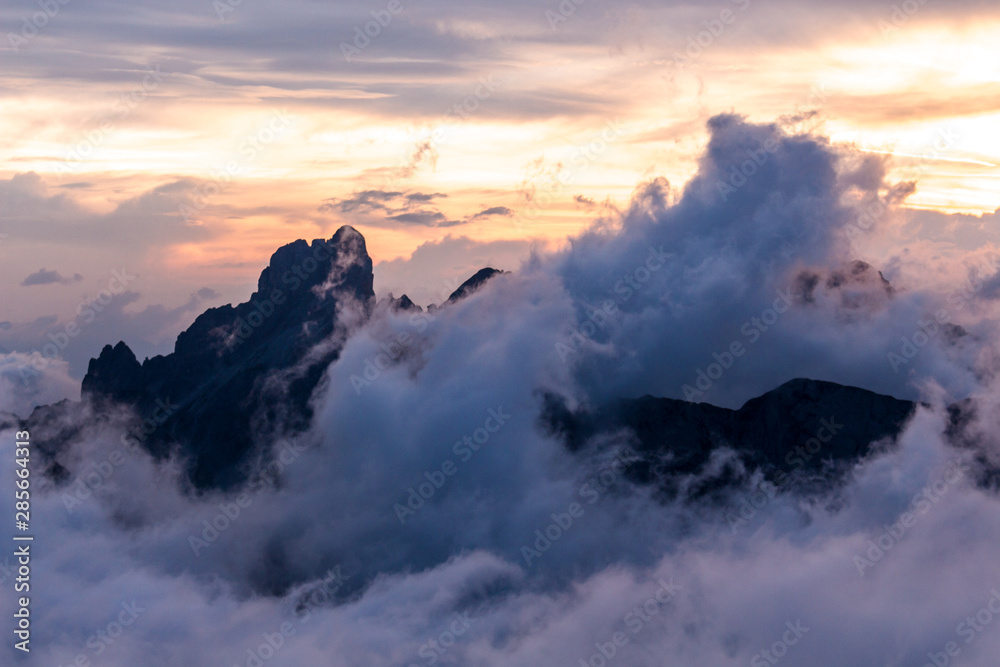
pixel 426 519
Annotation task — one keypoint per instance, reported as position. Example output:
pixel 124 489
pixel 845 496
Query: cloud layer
pixel 426 519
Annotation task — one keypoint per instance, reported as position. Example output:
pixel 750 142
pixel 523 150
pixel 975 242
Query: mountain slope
pixel 241 376
pixel 240 373
pixel 800 425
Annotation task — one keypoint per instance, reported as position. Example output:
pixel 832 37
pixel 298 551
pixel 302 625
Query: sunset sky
pixel 185 141
pixel 735 382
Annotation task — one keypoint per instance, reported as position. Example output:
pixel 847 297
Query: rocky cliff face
pixel 240 373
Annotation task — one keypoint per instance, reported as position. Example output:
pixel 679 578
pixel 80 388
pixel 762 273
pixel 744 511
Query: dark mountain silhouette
pixel 242 375
pixel 802 425
pixel 474 283
pixel 403 303
pixel 238 374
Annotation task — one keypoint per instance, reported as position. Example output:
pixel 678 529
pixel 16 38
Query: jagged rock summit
pixel 242 375
pixel 213 384
pixel 473 284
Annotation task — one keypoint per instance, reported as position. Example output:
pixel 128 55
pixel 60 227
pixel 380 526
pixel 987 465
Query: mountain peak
pixel 215 376
pixel 299 264
pixel 116 373
pixel 474 283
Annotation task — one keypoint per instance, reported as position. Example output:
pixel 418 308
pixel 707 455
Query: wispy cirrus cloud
pixel 380 207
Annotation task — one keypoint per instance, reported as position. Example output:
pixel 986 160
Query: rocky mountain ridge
pixel 242 375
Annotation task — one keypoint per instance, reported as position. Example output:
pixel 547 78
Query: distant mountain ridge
pixel 240 375
pixel 800 426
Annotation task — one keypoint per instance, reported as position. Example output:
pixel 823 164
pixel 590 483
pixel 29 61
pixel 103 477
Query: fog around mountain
pixel 461 484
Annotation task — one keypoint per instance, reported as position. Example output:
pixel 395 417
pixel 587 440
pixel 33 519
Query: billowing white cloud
pixel 28 380
pixel 426 519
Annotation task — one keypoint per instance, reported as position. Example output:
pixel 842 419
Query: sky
pixel 812 180
pixel 183 142
pixel 528 553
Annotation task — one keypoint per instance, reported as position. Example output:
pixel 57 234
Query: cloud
pixel 425 218
pixel 368 200
pixel 35 214
pixel 381 207
pixel 75 339
pixel 445 48
pixel 27 381
pixel 511 550
pixel 436 268
pixel 46 277
pixel 500 211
